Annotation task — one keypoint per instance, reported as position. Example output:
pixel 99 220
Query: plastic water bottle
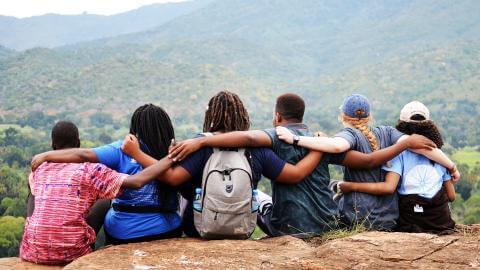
pixel 255 203
pixel 197 203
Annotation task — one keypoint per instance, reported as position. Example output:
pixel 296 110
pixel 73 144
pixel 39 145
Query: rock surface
pixel 17 264
pixel 369 250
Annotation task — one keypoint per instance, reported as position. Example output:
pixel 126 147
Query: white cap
pixel 413 108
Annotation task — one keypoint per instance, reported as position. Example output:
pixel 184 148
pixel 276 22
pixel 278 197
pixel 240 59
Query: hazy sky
pixel 27 8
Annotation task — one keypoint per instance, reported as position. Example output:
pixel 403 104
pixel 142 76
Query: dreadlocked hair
pixel 226 113
pixel 362 125
pixel 426 128
pixel 153 127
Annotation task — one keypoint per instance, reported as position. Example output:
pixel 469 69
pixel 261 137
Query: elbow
pixel 390 190
pixel 337 149
pixel 452 197
pixel 171 182
pixel 85 155
pixel 371 163
pixel 135 184
pixel 297 177
pixel 387 190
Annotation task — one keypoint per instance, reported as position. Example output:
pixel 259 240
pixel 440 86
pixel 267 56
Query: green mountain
pixel 392 51
pixel 52 30
pixel 324 36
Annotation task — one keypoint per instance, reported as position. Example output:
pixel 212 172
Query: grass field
pixel 469 156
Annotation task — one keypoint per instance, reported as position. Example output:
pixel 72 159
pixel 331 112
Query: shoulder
pixel 271 132
pixel 106 151
pixel 351 135
pixel 347 132
pixel 389 130
pixel 197 159
pixel 261 152
pixel 116 144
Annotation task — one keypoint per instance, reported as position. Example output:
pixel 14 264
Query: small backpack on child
pixel 224 207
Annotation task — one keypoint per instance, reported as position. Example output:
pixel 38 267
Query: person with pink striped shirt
pixel 57 232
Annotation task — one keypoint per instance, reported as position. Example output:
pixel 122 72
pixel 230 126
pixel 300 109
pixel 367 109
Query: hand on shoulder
pixel 284 134
pixel 130 145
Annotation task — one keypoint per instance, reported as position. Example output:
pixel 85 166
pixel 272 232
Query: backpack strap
pixel 248 155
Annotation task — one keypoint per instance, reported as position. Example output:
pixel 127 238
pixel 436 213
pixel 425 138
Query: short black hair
pixel 65 135
pixel 426 128
pixel 291 107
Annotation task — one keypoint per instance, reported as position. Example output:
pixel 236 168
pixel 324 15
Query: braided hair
pixel 362 125
pixel 226 113
pixel 153 127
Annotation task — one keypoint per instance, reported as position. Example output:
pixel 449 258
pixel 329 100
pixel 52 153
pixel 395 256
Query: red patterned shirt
pixel 57 231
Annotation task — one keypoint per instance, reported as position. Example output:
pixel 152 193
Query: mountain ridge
pixel 55 30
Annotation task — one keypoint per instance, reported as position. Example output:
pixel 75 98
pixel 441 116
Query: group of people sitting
pixel 395 178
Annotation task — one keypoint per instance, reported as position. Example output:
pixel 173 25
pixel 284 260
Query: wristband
pixel 296 139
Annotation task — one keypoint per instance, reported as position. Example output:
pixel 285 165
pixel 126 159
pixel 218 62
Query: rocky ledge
pixel 368 250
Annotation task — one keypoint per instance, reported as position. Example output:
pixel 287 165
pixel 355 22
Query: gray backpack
pixel 226 197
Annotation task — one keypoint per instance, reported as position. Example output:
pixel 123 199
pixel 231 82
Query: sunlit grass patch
pixel 469 156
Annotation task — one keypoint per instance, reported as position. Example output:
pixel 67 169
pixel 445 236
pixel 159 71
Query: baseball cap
pixel 414 108
pixel 356 106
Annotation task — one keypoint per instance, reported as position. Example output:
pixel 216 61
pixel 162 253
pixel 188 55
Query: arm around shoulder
pixel 292 174
pixel 73 155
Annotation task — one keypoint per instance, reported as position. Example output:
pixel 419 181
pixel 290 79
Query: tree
pixel 11 231
pixel 101 119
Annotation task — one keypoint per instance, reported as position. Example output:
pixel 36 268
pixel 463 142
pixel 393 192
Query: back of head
pixel 65 135
pixel 291 107
pixel 415 119
pixel 356 112
pixel 226 113
pixel 153 127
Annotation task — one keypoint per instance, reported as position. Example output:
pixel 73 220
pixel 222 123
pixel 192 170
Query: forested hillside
pixel 391 51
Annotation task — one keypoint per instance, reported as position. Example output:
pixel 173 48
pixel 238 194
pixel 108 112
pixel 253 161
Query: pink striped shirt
pixel 57 231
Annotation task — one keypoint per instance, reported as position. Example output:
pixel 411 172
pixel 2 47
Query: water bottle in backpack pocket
pixel 197 202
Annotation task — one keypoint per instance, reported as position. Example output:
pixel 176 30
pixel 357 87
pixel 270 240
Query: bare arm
pixel 173 176
pixel 378 188
pixel 323 144
pixel 147 175
pixel 450 189
pixel 292 174
pixel 72 155
pixel 253 138
pixel 359 160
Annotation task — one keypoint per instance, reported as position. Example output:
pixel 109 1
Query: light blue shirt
pixel 418 174
pixel 123 225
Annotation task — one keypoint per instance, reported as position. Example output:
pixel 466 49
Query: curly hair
pixel 226 113
pixel 426 128
pixel 362 125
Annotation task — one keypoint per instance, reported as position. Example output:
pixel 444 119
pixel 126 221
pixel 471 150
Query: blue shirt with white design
pixel 418 174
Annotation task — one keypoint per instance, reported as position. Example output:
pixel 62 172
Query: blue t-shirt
pixel 418 174
pixel 124 225
pixel 373 212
